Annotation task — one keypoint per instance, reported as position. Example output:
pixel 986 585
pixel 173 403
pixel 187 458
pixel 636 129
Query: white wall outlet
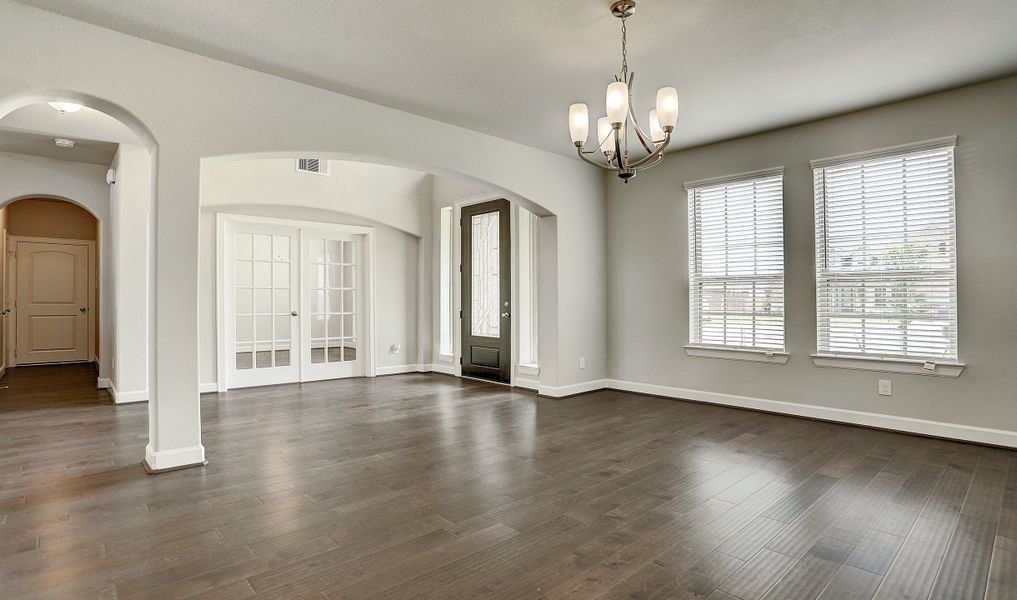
pixel 582 362
pixel 395 348
pixel 884 388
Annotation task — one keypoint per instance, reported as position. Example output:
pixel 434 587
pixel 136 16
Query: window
pixel 445 283
pixel 886 268
pixel 736 262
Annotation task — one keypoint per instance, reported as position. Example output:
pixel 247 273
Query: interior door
pixel 333 304
pixel 486 290
pixel 263 327
pixel 51 306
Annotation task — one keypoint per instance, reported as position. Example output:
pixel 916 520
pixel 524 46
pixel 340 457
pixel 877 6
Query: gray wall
pixel 648 268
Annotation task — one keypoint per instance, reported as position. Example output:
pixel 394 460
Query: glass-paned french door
pixel 331 331
pixel 293 304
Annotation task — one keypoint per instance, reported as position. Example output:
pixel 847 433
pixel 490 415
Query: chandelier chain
pixel 625 51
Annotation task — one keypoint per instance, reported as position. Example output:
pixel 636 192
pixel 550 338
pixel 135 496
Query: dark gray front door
pixel 486 285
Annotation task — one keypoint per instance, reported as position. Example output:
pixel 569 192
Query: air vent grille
pixel 316 166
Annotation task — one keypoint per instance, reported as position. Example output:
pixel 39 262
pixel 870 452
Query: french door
pixel 293 304
pixel 265 301
pixel 332 327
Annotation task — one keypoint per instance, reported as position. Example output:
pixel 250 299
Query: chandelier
pixel 613 131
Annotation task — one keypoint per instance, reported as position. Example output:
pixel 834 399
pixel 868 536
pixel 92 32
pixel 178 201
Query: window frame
pixel 945 366
pixel 743 353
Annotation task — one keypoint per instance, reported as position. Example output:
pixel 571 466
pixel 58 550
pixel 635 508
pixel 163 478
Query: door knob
pixel 293 314
pixel 504 315
pixel 82 309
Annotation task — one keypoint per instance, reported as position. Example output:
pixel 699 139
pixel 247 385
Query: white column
pixel 173 410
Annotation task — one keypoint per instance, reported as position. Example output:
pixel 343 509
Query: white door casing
pixel 321 291
pixel 53 296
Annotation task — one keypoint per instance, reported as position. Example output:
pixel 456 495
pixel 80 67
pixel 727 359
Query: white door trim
pixel 12 291
pixel 223 276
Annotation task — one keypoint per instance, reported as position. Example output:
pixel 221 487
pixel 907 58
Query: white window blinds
pixel 736 263
pixel 886 268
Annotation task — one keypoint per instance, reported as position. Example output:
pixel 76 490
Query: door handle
pixel 293 314
pixel 504 315
pixel 82 309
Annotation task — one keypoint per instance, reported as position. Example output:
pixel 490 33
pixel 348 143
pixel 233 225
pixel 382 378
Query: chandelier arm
pixel 658 152
pixel 632 115
pixel 622 165
pixel 582 155
pixel 647 167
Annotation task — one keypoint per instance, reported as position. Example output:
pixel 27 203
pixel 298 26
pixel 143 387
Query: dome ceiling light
pixel 613 131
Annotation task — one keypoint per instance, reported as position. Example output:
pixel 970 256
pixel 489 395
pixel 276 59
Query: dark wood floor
pixel 425 486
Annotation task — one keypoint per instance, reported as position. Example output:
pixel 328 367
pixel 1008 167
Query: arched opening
pixel 51 292
pixel 94 159
pixel 412 208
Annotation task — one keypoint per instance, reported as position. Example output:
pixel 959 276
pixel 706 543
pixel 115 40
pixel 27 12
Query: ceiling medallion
pixel 613 131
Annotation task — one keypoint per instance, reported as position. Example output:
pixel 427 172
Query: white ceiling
pixel 31 130
pixel 511 68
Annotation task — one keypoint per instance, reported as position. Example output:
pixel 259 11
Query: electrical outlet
pixel 582 362
pixel 395 348
pixel 884 388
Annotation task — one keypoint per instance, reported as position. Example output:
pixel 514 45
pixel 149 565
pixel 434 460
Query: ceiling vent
pixel 316 166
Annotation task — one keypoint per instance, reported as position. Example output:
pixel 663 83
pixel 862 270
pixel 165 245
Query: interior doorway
pixel 486 291
pixel 51 283
pixel 296 301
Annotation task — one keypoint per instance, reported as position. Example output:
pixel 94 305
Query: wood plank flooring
pixel 425 486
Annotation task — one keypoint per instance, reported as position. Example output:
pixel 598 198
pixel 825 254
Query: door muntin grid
pixel 334 309
pixel 263 296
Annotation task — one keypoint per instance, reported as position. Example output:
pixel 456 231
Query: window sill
pixel 887 365
pixel 779 358
pixel 531 370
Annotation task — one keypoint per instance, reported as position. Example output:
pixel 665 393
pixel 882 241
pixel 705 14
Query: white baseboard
pixel 397 369
pixel 446 368
pixel 968 433
pixel 125 397
pixel 206 388
pixel 572 390
pixel 527 383
pixel 175 458
pixel 103 383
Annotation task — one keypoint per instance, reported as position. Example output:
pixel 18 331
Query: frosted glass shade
pixel 604 130
pixel 579 123
pixel 65 107
pixel 667 107
pixel 617 101
pixel 656 131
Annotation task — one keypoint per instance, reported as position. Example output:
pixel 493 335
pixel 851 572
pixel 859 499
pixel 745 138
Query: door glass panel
pixel 485 276
pixel 244 304
pixel 332 300
pixel 262 247
pixel 262 274
pixel 264 298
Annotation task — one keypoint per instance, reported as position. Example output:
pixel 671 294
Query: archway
pixel 261 181
pixel 121 200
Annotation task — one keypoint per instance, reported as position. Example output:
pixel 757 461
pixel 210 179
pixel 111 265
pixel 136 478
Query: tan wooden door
pixel 51 306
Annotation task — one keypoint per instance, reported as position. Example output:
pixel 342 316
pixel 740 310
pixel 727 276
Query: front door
pixel 486 290
pixel 51 302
